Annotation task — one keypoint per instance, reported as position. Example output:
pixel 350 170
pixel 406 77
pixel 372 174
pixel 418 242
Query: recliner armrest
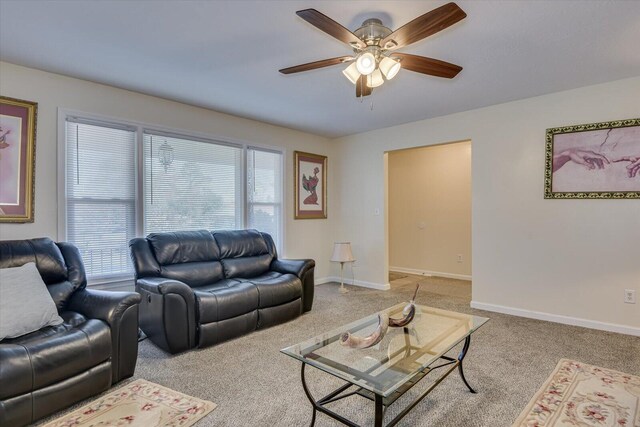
pixel 163 286
pixel 293 266
pixel 304 269
pixel 108 306
pixel 168 313
pixel 120 311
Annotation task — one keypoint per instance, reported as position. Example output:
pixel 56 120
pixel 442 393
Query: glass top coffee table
pixel 386 371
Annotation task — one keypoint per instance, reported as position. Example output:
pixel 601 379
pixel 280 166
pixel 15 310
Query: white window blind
pixel 101 195
pixel 264 192
pixel 191 184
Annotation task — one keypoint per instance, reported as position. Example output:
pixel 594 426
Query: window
pixel 191 185
pixel 101 195
pixel 179 183
pixel 264 192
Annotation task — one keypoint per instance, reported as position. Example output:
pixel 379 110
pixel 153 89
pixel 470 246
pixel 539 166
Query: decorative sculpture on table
pixel 384 321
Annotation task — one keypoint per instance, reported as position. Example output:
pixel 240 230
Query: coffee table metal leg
pixel 461 356
pixel 379 411
pixel 306 391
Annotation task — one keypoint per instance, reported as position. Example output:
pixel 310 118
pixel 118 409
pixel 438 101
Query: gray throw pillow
pixel 25 303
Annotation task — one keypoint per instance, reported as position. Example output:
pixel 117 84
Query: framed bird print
pixel 310 185
pixel 17 159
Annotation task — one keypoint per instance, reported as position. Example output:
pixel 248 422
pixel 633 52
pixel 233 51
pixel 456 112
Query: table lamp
pixel 342 253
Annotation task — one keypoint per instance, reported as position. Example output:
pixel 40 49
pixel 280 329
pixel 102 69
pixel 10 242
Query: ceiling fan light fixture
pixel 375 79
pixel 366 63
pixel 389 67
pixel 352 73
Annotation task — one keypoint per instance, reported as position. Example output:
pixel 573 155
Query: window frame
pixel 140 129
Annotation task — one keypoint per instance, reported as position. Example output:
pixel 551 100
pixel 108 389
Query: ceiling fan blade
pixel 361 87
pixel 424 26
pixel 316 64
pixel 430 66
pixel 331 27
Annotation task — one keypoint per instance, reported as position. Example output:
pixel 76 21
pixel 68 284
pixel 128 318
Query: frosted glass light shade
pixel 342 252
pixel 351 72
pixel 375 79
pixel 389 67
pixel 366 63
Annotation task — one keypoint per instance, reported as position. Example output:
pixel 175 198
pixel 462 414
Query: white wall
pixel 568 258
pixel 429 206
pixel 303 239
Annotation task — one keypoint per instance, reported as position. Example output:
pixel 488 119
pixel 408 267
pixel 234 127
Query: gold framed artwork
pixel 593 161
pixel 310 185
pixel 17 159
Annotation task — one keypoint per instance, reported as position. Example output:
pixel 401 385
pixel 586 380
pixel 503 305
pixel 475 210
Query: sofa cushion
pixel 194 273
pixel 25 302
pixel 225 299
pixel 247 266
pixel 52 354
pixel 184 246
pixel 240 243
pixel 276 289
pixel 43 251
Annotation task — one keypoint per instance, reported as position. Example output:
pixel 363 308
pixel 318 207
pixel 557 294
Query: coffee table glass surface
pixel 400 356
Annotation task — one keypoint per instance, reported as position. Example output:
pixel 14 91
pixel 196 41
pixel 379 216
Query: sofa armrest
pixel 168 313
pixel 304 269
pixel 297 267
pixel 119 310
pixel 164 286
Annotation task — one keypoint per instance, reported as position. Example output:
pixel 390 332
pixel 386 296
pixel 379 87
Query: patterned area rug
pixel 138 404
pixel 577 394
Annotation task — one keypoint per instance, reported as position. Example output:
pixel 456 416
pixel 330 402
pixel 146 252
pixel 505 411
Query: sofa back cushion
pixel 192 257
pixel 43 252
pixel 51 262
pixel 184 246
pixel 244 253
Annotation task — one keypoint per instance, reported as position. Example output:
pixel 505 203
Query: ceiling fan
pixel 374 45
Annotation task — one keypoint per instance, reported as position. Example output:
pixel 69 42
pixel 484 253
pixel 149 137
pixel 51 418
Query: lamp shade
pixel 375 79
pixel 342 252
pixel 366 63
pixel 389 67
pixel 352 73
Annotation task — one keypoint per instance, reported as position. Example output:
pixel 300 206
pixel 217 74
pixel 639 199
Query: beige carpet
pixel 581 395
pixel 433 284
pixel 395 276
pixel 510 357
pixel 138 404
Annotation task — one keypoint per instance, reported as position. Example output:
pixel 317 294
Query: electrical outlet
pixel 630 296
pixel 459 258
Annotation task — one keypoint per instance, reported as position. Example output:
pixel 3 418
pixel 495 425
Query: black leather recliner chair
pixel 200 288
pixel 95 347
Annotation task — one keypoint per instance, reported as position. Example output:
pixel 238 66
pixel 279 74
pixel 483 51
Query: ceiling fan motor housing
pixel 372 31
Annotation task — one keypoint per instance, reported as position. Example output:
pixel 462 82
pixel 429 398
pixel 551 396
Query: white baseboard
pixel 430 273
pixel 362 283
pixel 557 318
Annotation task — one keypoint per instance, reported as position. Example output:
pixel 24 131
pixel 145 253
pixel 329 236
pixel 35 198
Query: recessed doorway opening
pixel 429 218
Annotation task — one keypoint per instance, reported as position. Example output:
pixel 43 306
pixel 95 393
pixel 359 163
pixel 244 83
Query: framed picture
pixel 593 161
pixel 17 159
pixel 310 188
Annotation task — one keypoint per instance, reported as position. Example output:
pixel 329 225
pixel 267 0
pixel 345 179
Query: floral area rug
pixel 139 403
pixel 577 394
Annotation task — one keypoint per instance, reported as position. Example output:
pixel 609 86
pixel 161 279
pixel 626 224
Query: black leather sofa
pixel 95 347
pixel 200 288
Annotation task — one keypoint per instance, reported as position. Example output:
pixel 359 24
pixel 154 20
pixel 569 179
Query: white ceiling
pixel 225 55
